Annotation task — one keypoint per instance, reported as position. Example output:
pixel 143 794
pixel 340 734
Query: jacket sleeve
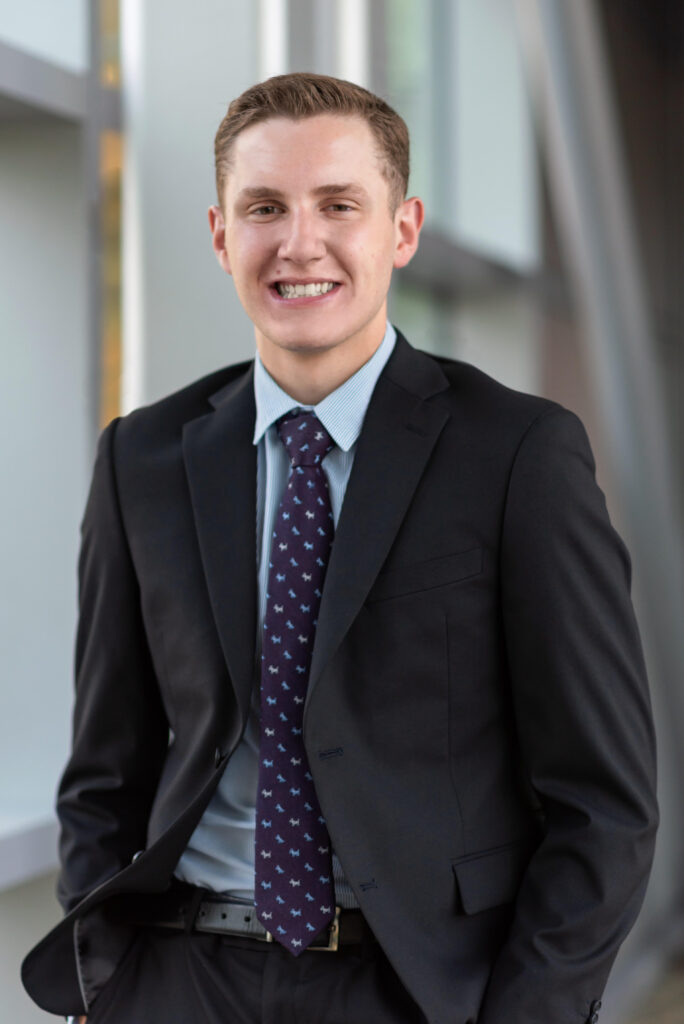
pixel 120 732
pixel 584 729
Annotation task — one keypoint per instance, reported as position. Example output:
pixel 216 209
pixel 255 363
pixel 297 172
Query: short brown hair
pixel 303 94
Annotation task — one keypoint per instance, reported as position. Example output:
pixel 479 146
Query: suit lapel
pixel 399 432
pixel 220 461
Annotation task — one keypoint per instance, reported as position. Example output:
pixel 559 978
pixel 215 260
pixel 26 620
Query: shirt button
pixel 135 856
pixel 218 757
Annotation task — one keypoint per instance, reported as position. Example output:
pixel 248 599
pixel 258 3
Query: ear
pixel 218 237
pixel 408 220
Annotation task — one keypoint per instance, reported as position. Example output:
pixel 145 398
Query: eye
pixel 265 211
pixel 340 207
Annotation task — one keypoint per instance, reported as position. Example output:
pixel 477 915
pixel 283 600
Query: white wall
pixel 56 30
pixel 452 69
pixel 44 452
pixel 27 910
pixel 495 209
pixel 181 315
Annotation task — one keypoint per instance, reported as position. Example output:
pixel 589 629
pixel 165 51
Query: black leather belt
pixel 187 908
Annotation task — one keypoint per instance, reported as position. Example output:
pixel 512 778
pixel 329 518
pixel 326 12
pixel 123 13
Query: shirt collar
pixel 341 412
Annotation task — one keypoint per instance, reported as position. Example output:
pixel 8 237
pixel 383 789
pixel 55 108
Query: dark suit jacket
pixel 477 720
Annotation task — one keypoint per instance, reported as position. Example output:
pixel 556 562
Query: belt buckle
pixel 333 936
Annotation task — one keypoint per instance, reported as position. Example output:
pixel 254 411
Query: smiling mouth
pixel 297 291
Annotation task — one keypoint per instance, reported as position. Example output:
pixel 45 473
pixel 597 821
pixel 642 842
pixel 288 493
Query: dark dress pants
pixel 174 977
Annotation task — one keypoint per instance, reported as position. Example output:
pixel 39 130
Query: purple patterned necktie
pixel 294 892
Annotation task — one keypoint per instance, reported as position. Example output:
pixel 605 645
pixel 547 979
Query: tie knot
pixel 305 438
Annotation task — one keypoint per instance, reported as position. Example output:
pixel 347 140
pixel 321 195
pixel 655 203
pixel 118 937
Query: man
pixel 361 728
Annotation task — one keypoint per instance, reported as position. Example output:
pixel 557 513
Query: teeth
pixel 294 291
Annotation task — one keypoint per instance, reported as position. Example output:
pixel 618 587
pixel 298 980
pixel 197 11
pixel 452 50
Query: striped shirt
pixel 220 854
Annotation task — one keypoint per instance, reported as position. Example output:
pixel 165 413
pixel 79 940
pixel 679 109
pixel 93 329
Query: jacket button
pixel 135 856
pixel 218 757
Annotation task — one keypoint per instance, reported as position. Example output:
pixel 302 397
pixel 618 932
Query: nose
pixel 302 239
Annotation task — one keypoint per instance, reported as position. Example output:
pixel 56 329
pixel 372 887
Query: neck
pixel 309 375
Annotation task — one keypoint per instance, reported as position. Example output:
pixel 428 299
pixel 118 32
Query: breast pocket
pixel 426 575
pixel 491 877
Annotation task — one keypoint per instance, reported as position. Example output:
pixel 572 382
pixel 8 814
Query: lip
pixel 302 300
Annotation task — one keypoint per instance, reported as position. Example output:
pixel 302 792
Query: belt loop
pixel 192 908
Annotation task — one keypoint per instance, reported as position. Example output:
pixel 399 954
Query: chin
pixel 302 345
pixel 313 341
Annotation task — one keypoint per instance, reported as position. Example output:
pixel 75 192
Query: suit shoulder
pixel 166 417
pixel 481 395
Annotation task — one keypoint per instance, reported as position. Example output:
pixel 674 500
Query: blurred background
pixel 548 144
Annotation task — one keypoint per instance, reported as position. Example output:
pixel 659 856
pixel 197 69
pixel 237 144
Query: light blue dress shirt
pixel 220 854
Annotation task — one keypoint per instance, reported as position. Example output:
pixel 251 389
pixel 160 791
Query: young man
pixel 362 729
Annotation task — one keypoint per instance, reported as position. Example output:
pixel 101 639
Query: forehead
pixel 327 147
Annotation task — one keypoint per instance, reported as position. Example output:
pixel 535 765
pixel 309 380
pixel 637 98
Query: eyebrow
pixel 263 192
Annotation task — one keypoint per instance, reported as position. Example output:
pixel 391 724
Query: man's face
pixel 309 236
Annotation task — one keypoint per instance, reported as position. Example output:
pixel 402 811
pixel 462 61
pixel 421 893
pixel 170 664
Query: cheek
pixel 245 254
pixel 377 259
pixel 372 256
pixel 380 250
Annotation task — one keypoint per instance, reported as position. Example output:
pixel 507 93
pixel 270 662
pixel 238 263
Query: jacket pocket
pixel 492 877
pixel 102 949
pixel 435 572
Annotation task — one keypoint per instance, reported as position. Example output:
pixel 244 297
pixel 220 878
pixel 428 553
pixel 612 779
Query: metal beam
pixel 39 84
pixel 447 270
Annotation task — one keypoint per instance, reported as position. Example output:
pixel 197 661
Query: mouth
pixel 289 290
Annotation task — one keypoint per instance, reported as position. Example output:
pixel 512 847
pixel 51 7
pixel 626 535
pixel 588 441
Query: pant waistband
pixel 189 908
